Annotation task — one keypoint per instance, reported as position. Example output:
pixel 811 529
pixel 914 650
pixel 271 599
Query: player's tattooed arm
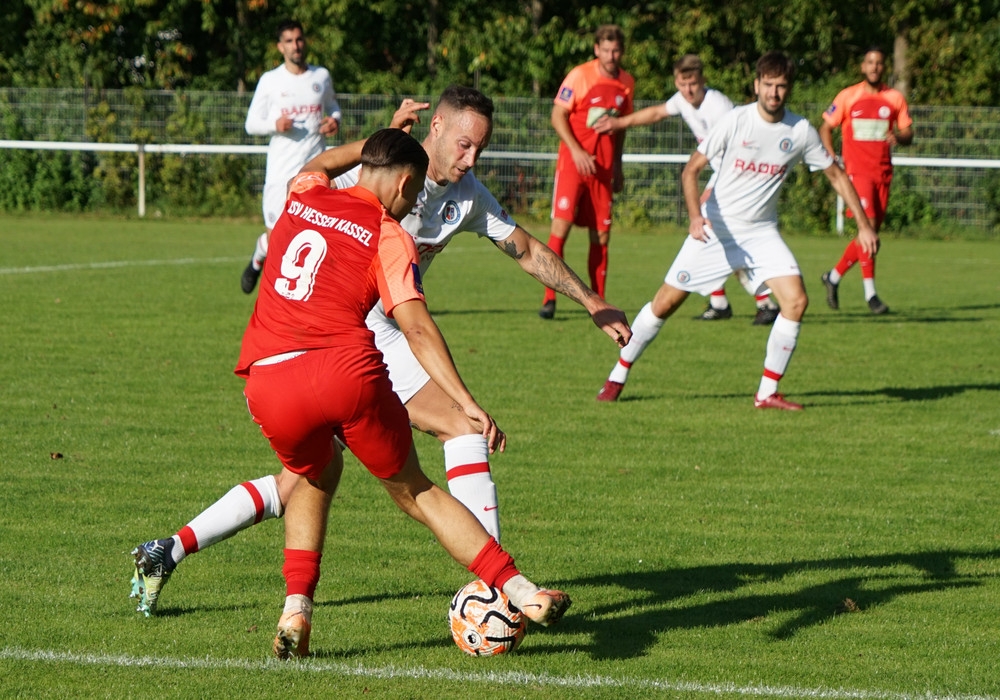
pixel 538 260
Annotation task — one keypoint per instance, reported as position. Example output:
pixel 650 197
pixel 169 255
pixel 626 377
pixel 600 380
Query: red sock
pixel 493 565
pixel 597 265
pixel 848 259
pixel 556 244
pixel 301 572
pixel 867 264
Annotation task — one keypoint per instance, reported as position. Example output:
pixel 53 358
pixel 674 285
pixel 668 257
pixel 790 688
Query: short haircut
pixel 288 25
pixel 775 64
pixel 459 98
pixel 687 65
pixel 610 32
pixel 393 148
pixel 876 48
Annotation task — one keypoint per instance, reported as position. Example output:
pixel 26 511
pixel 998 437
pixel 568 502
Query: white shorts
pixel 405 373
pixel 274 199
pixel 760 253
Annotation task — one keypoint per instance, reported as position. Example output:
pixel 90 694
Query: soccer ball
pixel 484 622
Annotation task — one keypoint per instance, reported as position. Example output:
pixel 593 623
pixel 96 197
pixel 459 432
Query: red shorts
pixel 874 196
pixel 583 201
pixel 302 403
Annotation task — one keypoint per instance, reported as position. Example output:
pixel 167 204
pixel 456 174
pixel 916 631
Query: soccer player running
pixel 452 201
pixel 314 374
pixel 701 107
pixel 873 118
pixel 737 226
pixel 288 105
pixel 589 165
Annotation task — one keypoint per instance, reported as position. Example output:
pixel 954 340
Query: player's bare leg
pixel 468 543
pixel 305 532
pixel 791 295
pixel 645 327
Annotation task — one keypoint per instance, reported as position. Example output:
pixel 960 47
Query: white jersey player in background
pixel 453 201
pixel 288 105
pixel 736 227
pixel 701 108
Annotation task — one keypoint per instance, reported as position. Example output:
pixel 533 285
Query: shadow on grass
pixel 726 594
pixel 926 393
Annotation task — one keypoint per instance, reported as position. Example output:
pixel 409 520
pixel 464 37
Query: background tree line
pixel 945 52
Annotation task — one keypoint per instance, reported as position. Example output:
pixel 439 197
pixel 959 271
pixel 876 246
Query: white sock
pixel 299 603
pixel 645 327
pixel 869 284
pixel 244 505
pixel 764 302
pixel 467 467
pixel 718 300
pixel 780 346
pixel 259 251
pixel 834 276
pixel 520 590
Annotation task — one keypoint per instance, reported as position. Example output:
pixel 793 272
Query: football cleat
pixel 877 306
pixel 248 280
pixel 713 314
pixel 548 310
pixel 776 401
pixel 610 391
pixel 832 299
pixel 546 607
pixel 293 635
pixel 153 566
pixel 765 316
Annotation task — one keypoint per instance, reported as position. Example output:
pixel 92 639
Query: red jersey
pixel 866 120
pixel 332 255
pixel 588 96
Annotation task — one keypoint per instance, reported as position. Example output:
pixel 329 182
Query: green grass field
pixel 711 550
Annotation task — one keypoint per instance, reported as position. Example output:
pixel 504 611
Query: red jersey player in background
pixel 873 118
pixel 589 166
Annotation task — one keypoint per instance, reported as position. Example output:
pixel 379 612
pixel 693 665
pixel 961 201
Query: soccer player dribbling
pixel 315 377
pixel 736 228
pixel 873 118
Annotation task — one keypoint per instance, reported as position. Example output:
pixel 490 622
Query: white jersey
pixel 442 211
pixel 754 159
pixel 700 119
pixel 305 98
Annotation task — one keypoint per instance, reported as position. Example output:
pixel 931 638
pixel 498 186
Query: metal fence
pixel 946 170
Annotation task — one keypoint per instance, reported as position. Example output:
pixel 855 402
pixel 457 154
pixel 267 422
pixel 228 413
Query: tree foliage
pixel 506 47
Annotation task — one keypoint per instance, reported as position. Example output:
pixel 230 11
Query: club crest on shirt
pixel 884 112
pixel 451 213
pixel 316 87
pixel 683 277
pixel 785 145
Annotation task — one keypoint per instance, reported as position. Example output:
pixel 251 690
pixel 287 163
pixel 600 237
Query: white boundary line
pixel 113 264
pixel 511 678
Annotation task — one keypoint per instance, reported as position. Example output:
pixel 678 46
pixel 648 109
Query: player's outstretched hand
pixel 612 321
pixel 408 114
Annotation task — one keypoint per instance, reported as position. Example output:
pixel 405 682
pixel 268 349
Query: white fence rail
pixel 234 149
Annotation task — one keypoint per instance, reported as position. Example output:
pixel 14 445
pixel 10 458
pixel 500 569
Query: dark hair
pixel 393 148
pixel 459 98
pixel 610 32
pixel 287 25
pixel 876 48
pixel 775 64
pixel 687 64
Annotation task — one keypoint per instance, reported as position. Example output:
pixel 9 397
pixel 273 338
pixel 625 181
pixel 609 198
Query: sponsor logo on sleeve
pixel 566 94
pixel 417 283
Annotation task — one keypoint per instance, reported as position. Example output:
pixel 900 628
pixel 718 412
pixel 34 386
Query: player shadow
pixel 865 397
pixel 654 602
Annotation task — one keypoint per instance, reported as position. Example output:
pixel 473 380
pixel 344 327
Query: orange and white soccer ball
pixel 484 622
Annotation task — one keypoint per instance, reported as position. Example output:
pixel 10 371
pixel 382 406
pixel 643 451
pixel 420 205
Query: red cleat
pixel 610 391
pixel 776 401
